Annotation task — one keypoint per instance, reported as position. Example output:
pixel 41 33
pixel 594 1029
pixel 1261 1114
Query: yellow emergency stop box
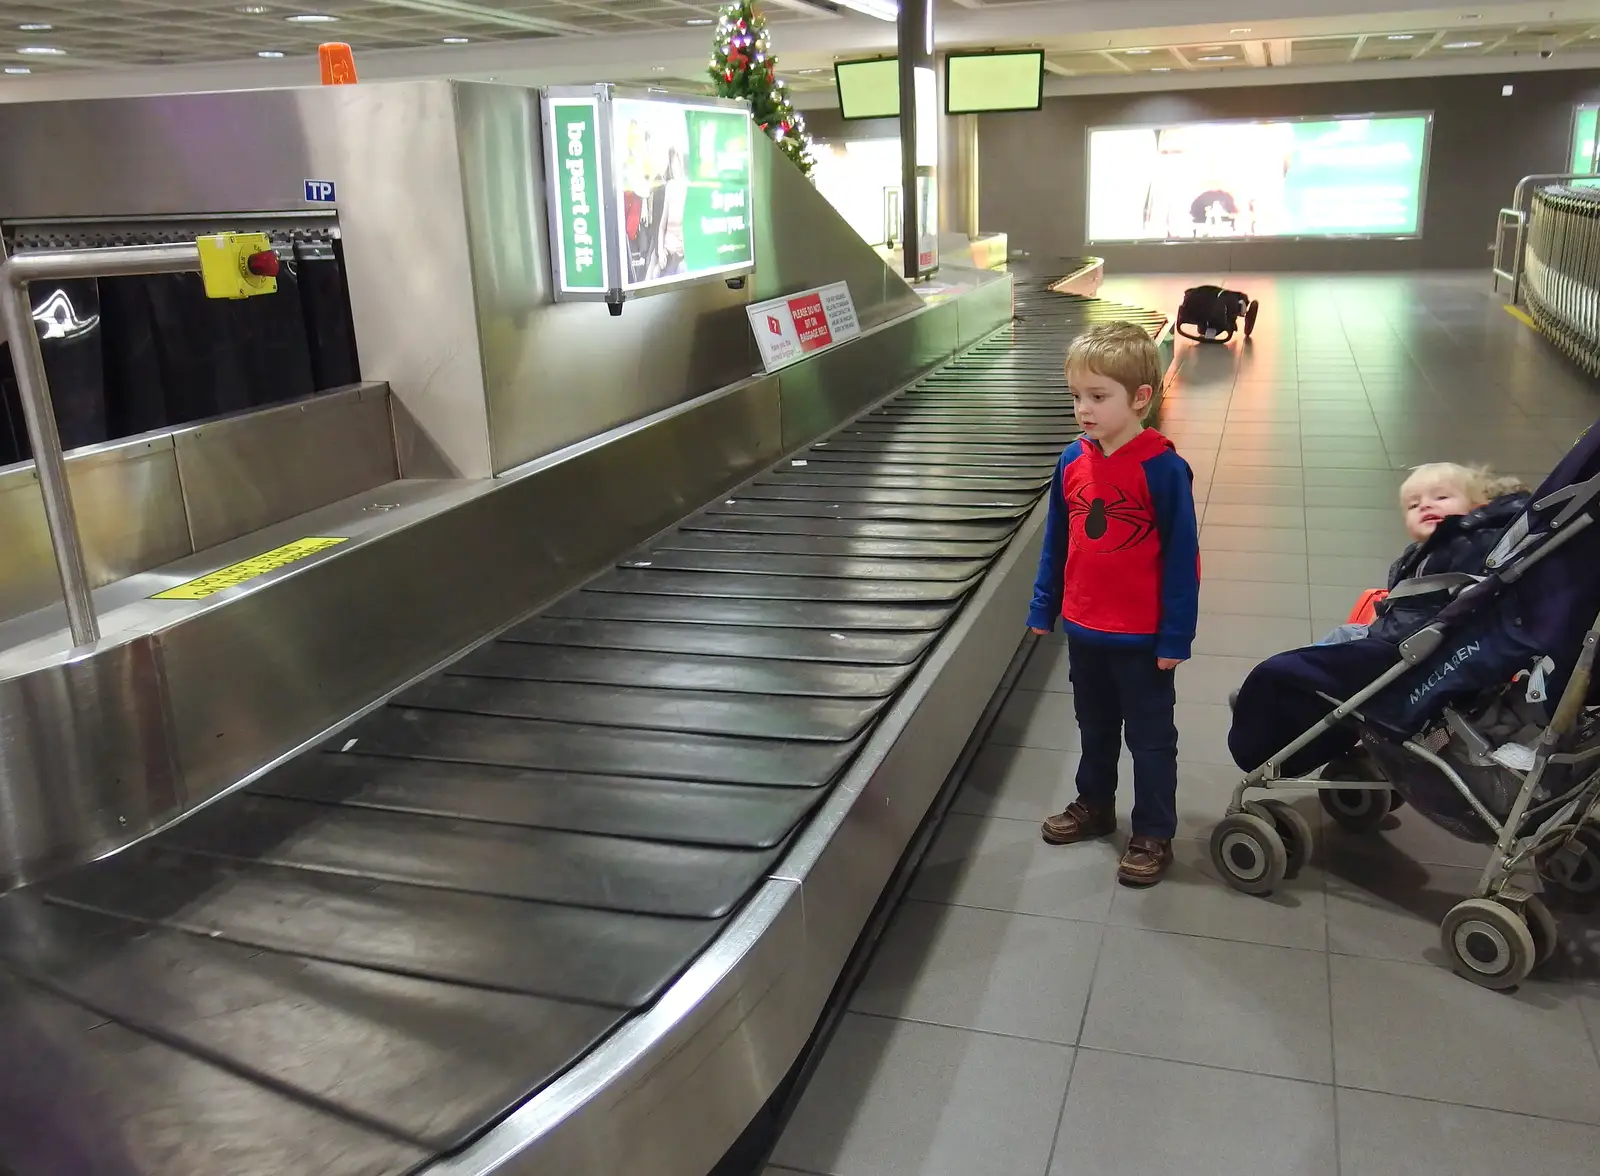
pixel 226 269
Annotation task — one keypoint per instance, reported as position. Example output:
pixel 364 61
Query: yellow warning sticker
pixel 243 572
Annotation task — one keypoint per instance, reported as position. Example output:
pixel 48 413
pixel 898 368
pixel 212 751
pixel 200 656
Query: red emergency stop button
pixel 263 264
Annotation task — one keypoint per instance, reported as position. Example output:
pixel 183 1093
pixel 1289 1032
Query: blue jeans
pixel 1118 692
pixel 1343 635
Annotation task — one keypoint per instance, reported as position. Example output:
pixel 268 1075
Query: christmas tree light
pixel 742 66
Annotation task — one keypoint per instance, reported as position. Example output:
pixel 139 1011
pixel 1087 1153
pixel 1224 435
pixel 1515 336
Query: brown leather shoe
pixel 1145 860
pixel 1078 822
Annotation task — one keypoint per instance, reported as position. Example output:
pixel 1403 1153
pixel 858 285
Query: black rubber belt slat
pixel 774 491
pixel 973 531
pixel 437 1060
pixel 866 511
pixel 642 581
pixel 848 645
pixel 764 543
pixel 598 751
pixel 837 567
pixel 947 464
pixel 103 1099
pixel 634 709
pixel 479 940
pixel 660 671
pixel 732 815
pixel 643 877
pixel 968 447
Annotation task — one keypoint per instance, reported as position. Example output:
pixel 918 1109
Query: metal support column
pixel 919 140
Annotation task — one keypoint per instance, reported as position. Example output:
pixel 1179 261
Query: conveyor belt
pixel 369 956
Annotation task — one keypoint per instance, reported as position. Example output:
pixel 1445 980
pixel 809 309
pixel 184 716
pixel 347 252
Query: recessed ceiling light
pixel 269 53
pixel 1465 45
pixel 1160 69
pixel 253 9
pixel 808 71
pixel 699 20
pixel 655 90
pixel 312 18
pixel 1402 36
pixel 1507 90
pixel 658 69
pixel 1469 16
pixel 42 51
pixel 1216 57
pixel 1136 52
pixel 36 28
pixel 1238 32
pixel 18 69
pixel 457 40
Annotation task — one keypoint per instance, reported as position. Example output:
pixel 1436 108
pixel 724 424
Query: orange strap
pixel 1366 608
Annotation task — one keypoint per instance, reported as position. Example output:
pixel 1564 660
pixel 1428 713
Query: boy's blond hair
pixel 1478 484
pixel 1122 351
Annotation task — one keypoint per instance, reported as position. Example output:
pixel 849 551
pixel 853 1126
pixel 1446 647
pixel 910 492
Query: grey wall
pixel 1033 185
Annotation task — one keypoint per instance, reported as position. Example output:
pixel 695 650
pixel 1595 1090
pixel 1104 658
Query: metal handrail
pixel 1516 217
pixel 33 387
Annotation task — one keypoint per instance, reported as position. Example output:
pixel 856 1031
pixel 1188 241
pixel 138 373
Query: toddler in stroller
pixel 1212 314
pixel 1476 712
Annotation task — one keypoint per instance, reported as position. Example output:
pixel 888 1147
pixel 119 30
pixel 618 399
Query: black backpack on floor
pixel 1212 314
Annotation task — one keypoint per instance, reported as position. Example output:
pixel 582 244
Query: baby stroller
pixel 1482 720
pixel 1214 313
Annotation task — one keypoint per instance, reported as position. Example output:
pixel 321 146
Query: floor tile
pixel 1289 540
pixel 1203 732
pixel 1037 718
pixel 1380 1135
pixel 1254 566
pixel 1246 494
pixel 1389 907
pixel 894 1098
pixel 1372 521
pixel 1007 866
pixel 1240 1006
pixel 1350 571
pixel 1246 636
pixel 1234 474
pixel 1258 514
pixel 1020 783
pixel 997 971
pixel 1369 544
pixel 1047 669
pixel 1193 900
pixel 1212 677
pixel 1208 1122
pixel 1423 1031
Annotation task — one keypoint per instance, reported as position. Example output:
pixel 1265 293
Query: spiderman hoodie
pixel 1121 558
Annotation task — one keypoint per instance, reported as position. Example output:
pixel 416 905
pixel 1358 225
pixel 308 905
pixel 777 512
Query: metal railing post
pixel 33 387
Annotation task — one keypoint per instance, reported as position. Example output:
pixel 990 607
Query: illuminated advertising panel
pixel 1336 177
pixel 645 193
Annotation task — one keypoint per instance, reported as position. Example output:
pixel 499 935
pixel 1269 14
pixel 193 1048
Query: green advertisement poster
pixel 1283 178
pixel 683 202
pixel 576 149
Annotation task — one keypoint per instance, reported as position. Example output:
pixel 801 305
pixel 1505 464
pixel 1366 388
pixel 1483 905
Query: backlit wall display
pixel 868 89
pixel 1336 177
pixel 645 193
pixel 975 83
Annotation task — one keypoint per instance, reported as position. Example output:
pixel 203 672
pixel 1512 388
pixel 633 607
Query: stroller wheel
pixel 1542 926
pixel 1249 854
pixel 1355 810
pixel 1250 313
pixel 1488 943
pixel 1577 871
pixel 1292 827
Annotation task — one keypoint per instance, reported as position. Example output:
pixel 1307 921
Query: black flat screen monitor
pixel 984 83
pixel 868 89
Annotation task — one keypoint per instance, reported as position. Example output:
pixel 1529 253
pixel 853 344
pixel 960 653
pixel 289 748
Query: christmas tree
pixel 742 66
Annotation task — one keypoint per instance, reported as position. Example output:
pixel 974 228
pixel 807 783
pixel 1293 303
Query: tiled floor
pixel 1025 1016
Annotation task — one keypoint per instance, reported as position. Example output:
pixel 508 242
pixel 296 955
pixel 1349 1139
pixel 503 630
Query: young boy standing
pixel 1121 568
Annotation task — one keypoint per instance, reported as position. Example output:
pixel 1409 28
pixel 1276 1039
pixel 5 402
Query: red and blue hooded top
pixel 1121 558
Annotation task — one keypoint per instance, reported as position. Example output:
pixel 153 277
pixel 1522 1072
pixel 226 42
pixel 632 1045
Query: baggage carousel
pixel 394 953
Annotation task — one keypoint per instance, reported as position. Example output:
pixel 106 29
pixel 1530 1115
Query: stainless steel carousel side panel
pixel 836 385
pixel 129 501
pixel 979 311
pixel 667 1094
pixel 73 790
